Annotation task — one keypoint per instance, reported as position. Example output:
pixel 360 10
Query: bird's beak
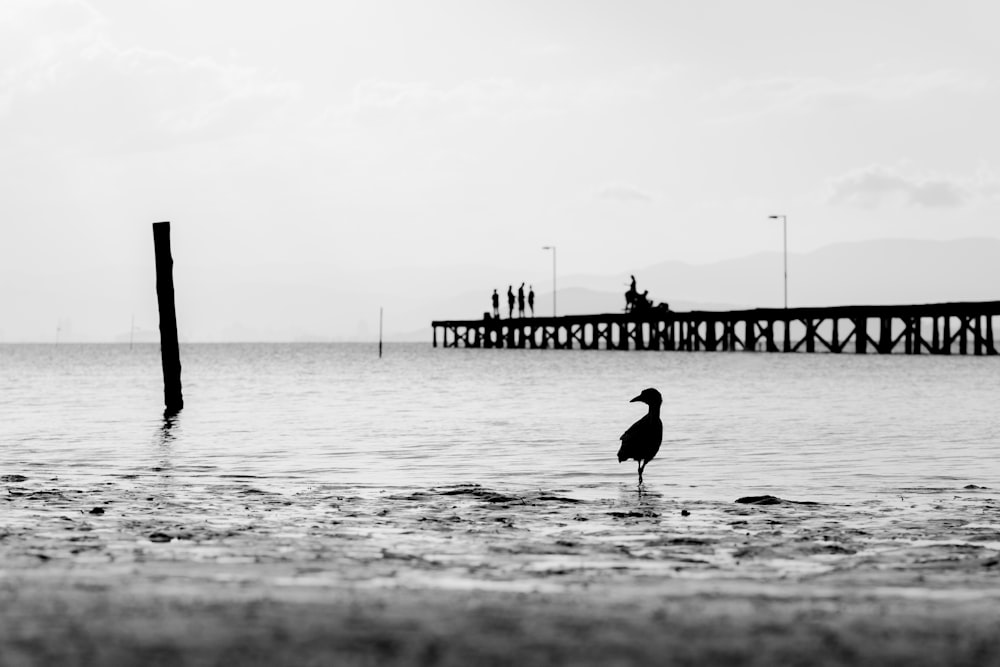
pixel 637 399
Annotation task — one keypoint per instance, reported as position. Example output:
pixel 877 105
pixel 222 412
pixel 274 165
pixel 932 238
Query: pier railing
pixel 937 328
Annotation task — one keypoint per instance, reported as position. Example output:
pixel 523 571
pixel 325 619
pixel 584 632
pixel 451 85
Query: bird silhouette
pixel 642 440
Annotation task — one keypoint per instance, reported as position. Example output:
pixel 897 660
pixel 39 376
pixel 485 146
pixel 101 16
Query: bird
pixel 642 440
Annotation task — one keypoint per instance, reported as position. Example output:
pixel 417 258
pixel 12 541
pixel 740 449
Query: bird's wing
pixel 634 431
pixel 632 439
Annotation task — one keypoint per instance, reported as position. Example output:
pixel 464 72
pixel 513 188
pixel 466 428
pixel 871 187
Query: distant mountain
pixel 282 303
pixel 869 272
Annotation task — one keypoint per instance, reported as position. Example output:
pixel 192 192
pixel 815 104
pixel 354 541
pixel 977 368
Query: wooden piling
pixel 169 347
pixel 861 335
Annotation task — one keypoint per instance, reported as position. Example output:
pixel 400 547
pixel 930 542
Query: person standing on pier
pixel 496 304
pixel 531 299
pixel 510 301
pixel 520 301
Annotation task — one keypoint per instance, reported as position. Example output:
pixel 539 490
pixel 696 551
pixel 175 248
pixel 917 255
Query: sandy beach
pixel 145 571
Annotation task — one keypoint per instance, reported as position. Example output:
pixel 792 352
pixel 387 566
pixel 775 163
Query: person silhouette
pixel 520 301
pixel 496 304
pixel 631 296
pixel 510 301
pixel 531 299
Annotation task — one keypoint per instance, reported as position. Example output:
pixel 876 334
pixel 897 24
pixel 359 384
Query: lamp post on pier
pixel 553 249
pixel 784 226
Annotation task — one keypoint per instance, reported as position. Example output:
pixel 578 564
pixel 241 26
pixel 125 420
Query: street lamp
pixel 553 249
pixel 784 226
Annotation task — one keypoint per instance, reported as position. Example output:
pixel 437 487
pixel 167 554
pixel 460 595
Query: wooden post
pixel 990 348
pixel 835 345
pixel 710 339
pixel 935 337
pixel 977 336
pixel 885 335
pixel 380 332
pixel 435 336
pixel 963 338
pixel 860 335
pixel 810 335
pixel 946 343
pixel 169 347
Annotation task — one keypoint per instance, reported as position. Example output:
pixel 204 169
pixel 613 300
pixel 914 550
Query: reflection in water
pixel 170 419
pixel 165 437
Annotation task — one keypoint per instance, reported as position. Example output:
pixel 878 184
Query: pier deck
pixel 936 328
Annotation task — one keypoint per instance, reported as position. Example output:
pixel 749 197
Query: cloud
pixel 628 194
pixel 381 102
pixel 504 99
pixel 71 85
pixel 782 94
pixel 877 185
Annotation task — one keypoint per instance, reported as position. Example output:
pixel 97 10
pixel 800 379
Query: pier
pixel 936 328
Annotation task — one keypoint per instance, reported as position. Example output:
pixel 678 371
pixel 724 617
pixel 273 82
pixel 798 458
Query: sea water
pixel 805 426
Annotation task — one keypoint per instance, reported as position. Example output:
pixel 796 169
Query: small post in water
pixel 380 332
pixel 169 349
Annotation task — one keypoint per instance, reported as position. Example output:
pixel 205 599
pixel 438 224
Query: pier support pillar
pixel 711 342
pixel 810 335
pixel 885 335
pixel 861 335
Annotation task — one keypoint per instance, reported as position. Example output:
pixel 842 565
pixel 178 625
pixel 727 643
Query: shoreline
pixel 128 572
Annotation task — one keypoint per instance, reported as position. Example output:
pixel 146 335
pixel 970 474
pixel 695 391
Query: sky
pixel 342 150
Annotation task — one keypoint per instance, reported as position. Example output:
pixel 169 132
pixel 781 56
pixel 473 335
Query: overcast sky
pixel 322 139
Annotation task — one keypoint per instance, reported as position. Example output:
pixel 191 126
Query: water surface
pixel 822 427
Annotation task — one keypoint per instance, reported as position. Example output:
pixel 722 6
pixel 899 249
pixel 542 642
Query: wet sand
pixel 150 570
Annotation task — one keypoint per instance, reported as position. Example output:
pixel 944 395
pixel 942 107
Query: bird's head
pixel 649 397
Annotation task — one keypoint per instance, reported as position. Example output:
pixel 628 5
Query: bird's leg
pixel 640 473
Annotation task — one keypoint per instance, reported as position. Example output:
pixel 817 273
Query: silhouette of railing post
pixel 169 347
